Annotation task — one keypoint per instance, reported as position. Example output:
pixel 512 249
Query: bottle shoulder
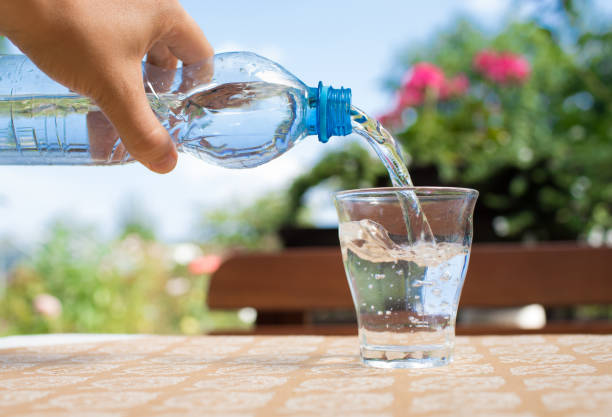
pixel 248 66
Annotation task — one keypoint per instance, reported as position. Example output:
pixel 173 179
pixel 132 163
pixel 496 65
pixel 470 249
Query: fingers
pixel 102 136
pixel 187 41
pixel 126 106
pixel 124 101
pixel 104 144
pixel 196 74
pixel 184 41
pixel 160 56
pixel 160 68
pixel 119 153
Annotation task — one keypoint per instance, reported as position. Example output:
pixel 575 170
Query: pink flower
pixel 47 305
pixel 424 75
pixel 428 77
pixel 206 264
pixel 484 59
pixel 455 86
pixel 408 97
pixel 516 66
pixel 503 67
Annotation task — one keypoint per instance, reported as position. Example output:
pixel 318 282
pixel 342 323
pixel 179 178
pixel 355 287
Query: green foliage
pixel 255 226
pixel 540 152
pixel 348 168
pixel 130 285
pixel 250 227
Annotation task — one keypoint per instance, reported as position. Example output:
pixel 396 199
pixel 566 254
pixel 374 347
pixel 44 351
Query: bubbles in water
pixel 419 303
pixel 379 276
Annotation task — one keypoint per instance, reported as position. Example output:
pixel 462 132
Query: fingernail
pixel 164 165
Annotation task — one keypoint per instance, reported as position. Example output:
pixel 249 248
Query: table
pixel 300 376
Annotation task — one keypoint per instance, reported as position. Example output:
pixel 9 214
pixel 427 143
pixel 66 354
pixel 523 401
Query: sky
pixel 352 44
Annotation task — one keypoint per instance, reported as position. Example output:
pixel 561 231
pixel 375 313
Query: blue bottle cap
pixel 333 111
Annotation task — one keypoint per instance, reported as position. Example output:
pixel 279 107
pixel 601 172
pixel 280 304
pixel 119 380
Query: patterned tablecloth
pixel 494 376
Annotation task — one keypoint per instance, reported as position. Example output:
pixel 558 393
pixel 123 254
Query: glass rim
pixel 419 190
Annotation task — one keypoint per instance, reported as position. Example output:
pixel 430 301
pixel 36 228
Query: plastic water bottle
pixel 238 110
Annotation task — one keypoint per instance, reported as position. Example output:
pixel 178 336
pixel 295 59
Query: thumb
pixel 125 104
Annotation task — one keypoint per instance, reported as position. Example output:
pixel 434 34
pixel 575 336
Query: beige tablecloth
pixel 495 376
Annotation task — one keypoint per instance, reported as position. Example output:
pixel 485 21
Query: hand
pixel 95 47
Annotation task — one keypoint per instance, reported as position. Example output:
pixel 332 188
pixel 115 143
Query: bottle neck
pixel 330 113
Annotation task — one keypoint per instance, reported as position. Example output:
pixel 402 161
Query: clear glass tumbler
pixel 406 292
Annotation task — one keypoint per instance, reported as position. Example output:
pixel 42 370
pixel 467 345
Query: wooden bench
pixel 287 288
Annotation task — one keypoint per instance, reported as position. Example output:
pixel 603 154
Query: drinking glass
pixel 405 287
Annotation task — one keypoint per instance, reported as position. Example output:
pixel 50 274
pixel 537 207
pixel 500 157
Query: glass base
pixel 396 357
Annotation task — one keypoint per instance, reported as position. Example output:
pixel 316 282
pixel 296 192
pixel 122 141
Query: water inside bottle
pixel 235 125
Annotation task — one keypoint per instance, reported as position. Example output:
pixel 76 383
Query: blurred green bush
pixel 536 141
pixel 538 147
pixel 77 282
pixel 540 151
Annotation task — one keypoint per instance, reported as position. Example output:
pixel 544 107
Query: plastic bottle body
pixel 238 111
pixel 41 121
